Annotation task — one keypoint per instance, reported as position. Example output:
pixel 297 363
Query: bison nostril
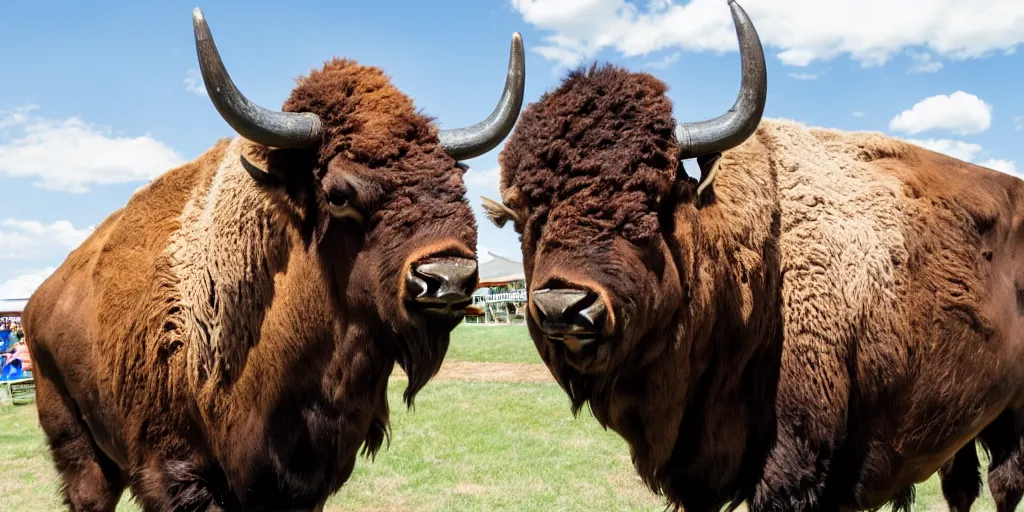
pixel 569 311
pixel 442 284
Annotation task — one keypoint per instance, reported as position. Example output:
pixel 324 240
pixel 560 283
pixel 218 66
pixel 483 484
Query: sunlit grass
pixel 466 446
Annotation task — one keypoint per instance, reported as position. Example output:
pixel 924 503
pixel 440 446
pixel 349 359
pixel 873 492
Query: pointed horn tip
pixel 197 15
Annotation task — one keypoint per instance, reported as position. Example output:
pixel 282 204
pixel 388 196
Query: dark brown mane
pixel 362 112
pixel 604 131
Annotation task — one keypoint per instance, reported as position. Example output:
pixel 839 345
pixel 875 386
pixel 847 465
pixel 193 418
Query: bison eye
pixel 340 193
pixel 338 199
pixel 341 199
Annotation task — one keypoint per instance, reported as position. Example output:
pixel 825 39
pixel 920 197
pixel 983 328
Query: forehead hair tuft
pixel 362 112
pixel 599 146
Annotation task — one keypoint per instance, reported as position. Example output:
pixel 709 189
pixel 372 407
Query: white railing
pixel 514 296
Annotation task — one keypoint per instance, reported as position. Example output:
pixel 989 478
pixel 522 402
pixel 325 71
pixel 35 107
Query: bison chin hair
pixel 420 351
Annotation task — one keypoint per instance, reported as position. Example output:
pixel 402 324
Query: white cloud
pixel 858 114
pixel 71 154
pixel 959 149
pixel 665 62
pixel 194 82
pixel 22 286
pixel 803 76
pixel 1007 166
pixel 960 113
pixel 31 239
pixel 869 31
pixel 483 179
pixel 967 152
pixel 923 63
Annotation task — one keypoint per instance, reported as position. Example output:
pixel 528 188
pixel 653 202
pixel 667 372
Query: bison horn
pixel 260 125
pixel 735 126
pixel 473 141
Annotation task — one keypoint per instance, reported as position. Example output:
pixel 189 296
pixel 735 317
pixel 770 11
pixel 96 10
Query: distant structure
pixel 12 308
pixel 501 293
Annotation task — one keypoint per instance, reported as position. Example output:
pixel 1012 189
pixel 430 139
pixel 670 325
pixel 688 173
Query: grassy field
pixel 466 446
pixel 492 344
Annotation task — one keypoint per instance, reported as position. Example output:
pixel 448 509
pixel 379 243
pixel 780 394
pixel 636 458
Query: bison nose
pixel 575 317
pixel 442 286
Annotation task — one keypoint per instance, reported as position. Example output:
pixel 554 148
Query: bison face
pixel 586 178
pixel 592 181
pixel 598 296
pixel 380 193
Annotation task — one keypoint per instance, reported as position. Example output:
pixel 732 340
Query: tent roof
pixel 12 306
pixel 500 270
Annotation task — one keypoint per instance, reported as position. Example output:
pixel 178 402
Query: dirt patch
pixel 489 372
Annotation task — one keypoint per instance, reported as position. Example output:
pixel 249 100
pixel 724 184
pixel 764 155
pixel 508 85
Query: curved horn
pixel 732 128
pixel 466 143
pixel 275 129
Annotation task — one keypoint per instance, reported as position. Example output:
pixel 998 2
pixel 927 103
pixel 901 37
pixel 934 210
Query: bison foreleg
pixel 89 480
pixel 811 405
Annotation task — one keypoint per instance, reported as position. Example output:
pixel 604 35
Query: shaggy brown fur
pixel 828 325
pixel 223 341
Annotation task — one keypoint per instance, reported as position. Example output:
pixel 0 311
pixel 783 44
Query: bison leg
pixel 90 480
pixel 1004 439
pixel 961 480
pixel 811 401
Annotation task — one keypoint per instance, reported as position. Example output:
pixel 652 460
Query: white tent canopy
pixel 12 307
pixel 500 270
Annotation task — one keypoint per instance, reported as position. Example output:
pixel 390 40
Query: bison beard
pixel 420 355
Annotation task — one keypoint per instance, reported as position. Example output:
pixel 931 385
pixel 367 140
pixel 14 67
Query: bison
pixel 961 481
pixel 225 340
pixel 820 321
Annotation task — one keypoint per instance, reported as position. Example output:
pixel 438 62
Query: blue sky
pixel 97 100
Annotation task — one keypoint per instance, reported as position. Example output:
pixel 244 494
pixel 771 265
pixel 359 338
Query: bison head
pixel 379 193
pixel 592 182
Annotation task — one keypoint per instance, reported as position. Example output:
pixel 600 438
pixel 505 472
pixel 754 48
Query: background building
pixel 501 293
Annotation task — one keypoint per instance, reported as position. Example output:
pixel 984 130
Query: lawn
pixel 492 344
pixel 466 446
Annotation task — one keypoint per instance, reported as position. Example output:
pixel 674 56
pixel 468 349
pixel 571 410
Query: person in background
pixel 21 352
pixel 5 336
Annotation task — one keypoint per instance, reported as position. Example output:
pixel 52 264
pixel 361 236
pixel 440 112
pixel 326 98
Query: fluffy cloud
pixel 665 62
pixel 31 239
pixel 1007 166
pixel 960 113
pixel 72 155
pixel 923 63
pixel 803 76
pixel 194 82
pixel 869 31
pixel 965 151
pixel 486 179
pixel 22 286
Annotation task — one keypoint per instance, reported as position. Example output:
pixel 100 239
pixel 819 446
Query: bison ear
pixel 498 213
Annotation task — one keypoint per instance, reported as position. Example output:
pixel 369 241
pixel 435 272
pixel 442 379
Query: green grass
pixel 467 446
pixel 483 446
pixel 492 344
